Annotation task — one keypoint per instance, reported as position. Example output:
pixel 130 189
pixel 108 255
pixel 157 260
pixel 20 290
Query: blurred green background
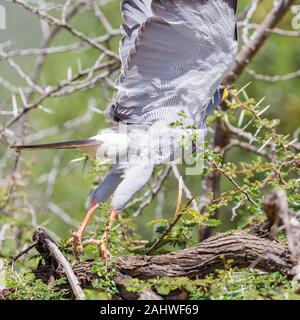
pixel 280 55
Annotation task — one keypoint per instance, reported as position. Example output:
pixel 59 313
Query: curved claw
pixel 103 251
pixel 76 243
pixel 76 240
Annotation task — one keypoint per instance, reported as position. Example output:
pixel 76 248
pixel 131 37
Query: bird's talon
pixel 76 242
pixel 104 252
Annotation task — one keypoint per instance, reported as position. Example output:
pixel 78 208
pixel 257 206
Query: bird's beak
pixel 225 95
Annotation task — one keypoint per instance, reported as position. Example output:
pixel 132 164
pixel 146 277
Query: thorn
pixel 264 110
pixel 79 65
pixel 69 74
pixel 14 105
pixel 22 95
pixel 243 88
pixel 260 101
pixel 264 145
pixel 241 119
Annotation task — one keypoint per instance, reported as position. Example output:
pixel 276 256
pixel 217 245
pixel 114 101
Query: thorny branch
pixel 252 45
pixel 250 49
pixel 33 93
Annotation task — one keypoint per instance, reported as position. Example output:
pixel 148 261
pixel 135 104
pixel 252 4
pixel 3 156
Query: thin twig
pixel 218 168
pixel 24 252
pixel 176 218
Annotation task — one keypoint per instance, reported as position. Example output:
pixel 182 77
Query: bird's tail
pixel 84 145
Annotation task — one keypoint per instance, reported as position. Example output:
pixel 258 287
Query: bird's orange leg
pixel 77 236
pixel 102 244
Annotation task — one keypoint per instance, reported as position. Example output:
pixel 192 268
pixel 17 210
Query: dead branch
pixel 46 243
pixel 276 208
pixel 241 247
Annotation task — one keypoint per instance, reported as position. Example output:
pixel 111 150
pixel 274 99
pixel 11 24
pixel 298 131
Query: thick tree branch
pixel 262 33
pixel 244 249
pixel 241 247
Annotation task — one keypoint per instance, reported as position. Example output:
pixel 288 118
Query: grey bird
pixel 174 55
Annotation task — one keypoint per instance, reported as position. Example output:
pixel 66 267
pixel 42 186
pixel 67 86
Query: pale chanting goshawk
pixel 174 55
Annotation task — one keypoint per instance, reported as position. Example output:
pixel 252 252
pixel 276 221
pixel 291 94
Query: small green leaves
pixel 182 114
pixel 24 286
pixel 212 222
pixel 176 124
pixel 229 284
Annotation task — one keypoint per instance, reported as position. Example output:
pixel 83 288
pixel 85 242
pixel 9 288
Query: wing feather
pixel 135 13
pixel 174 55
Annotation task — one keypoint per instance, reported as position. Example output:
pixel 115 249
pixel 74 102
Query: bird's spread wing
pixel 174 55
pixel 135 13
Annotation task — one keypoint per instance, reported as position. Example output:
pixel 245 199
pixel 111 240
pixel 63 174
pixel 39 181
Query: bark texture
pixel 245 250
pixel 251 247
